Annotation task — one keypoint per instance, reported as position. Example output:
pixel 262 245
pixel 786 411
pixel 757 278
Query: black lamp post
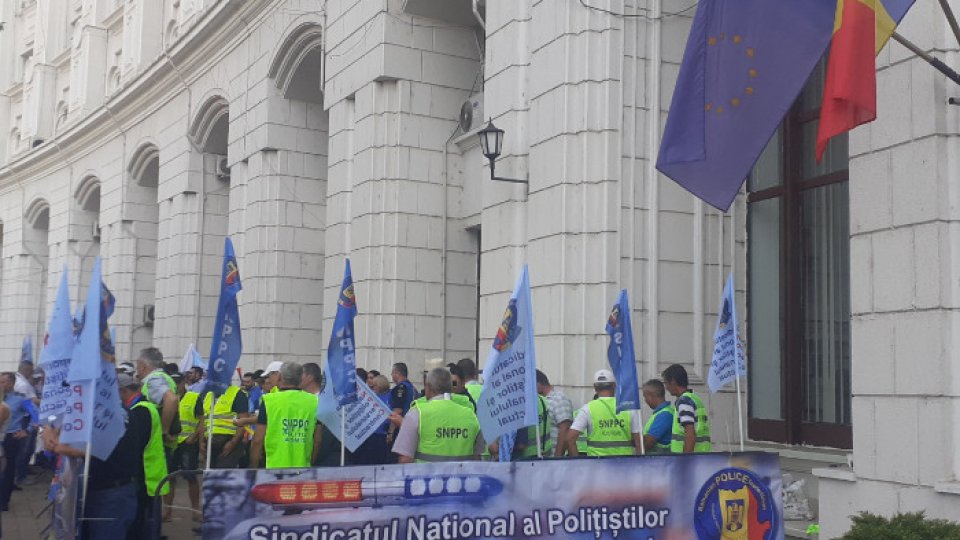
pixel 491 144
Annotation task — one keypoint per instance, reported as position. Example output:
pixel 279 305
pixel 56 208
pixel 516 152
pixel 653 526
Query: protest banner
pixel 508 400
pixel 363 416
pixel 696 496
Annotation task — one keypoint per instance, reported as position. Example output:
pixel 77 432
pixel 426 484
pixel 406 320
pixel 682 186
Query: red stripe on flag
pixel 850 91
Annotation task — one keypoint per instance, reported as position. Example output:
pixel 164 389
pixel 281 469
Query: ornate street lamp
pixel 491 144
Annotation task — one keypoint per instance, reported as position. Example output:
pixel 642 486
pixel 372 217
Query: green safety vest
pixel 154 459
pixel 531 450
pixel 447 431
pixel 702 443
pixel 658 447
pixel 459 399
pixel 291 421
pixel 474 388
pixel 188 420
pixel 223 415
pixel 609 432
pixel 158 373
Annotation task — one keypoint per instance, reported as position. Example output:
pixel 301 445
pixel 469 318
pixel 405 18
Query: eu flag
pixel 745 63
pixel 226 346
pixel 341 352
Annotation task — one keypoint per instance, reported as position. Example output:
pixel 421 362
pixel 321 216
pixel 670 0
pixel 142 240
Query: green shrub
pixel 911 526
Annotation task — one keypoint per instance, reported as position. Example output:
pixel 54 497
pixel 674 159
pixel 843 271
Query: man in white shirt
pixel 24 382
pixel 608 433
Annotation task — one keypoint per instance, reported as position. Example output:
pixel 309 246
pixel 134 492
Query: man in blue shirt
pixel 22 415
pixel 658 428
pixel 401 396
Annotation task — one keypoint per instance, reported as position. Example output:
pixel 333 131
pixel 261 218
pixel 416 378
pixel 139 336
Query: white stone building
pixel 144 131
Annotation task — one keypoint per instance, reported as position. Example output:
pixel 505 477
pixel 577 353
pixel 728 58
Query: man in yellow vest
pixel 286 424
pixel 608 433
pixel 147 522
pixel 438 429
pixel 691 427
pixel 468 378
pixel 658 429
pixel 229 410
pixel 158 388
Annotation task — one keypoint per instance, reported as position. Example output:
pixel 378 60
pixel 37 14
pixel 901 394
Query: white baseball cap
pixel 274 366
pixel 603 376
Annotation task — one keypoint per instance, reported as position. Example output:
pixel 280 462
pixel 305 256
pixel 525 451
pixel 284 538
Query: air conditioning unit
pixel 95 230
pixel 471 113
pixel 223 171
pixel 148 315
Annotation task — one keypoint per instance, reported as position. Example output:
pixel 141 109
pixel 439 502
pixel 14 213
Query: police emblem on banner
pixel 508 331
pixel 735 504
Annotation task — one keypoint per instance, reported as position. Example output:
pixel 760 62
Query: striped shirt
pixel 686 410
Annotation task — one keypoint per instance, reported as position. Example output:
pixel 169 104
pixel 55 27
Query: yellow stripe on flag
pixel 885 23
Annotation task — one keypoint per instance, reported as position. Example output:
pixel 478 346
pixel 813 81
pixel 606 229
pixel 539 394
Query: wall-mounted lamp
pixel 491 144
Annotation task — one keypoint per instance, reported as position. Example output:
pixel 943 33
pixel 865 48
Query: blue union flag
pixel 226 346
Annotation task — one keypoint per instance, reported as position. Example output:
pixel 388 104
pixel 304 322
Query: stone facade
pixel 146 131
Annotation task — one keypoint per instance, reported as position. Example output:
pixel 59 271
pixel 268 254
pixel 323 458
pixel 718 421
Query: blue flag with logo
pixel 55 355
pixel 620 354
pixel 26 350
pixel 729 360
pixel 341 352
pixel 94 413
pixel 745 63
pixel 508 400
pixel 226 345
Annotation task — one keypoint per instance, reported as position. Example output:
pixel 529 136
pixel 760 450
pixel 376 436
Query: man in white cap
pixel 608 433
pixel 271 376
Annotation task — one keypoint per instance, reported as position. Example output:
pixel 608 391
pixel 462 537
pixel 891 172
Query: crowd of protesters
pixel 269 420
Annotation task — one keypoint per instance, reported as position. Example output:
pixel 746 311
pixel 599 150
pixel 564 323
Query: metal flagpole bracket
pixel 935 62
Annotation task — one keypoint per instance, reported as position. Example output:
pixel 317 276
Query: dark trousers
pixel 373 451
pixel 146 524
pixel 23 460
pixel 110 512
pixel 11 451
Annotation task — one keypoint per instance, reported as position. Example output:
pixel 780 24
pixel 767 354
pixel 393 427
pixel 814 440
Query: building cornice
pixel 220 30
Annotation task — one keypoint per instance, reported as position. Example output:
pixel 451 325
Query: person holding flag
pixel 609 433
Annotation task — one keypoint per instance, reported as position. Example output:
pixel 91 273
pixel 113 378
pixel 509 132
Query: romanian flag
pixel 860 30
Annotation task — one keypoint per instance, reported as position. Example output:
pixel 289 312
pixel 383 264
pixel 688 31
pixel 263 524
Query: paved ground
pixel 29 513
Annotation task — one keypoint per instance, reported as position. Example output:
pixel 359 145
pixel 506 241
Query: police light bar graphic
pixel 410 491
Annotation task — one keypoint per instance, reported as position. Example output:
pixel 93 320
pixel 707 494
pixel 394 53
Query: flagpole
pixel 86 478
pixel 343 435
pixel 539 442
pixel 213 404
pixel 643 446
pixel 935 62
pixel 948 12
pixel 739 410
